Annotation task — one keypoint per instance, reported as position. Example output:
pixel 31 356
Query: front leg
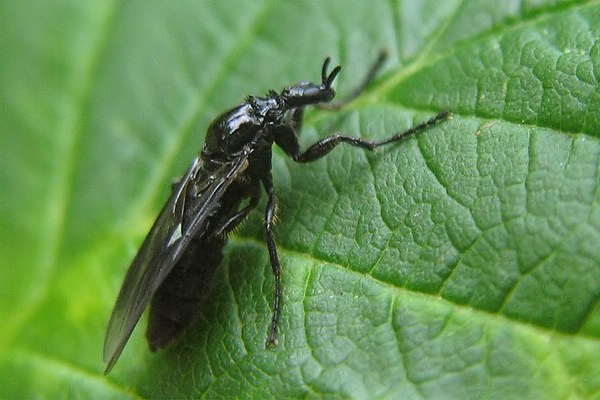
pixel 287 139
pixel 296 119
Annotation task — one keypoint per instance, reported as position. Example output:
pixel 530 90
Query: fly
pixel 223 184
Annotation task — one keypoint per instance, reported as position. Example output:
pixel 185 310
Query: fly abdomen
pixel 177 300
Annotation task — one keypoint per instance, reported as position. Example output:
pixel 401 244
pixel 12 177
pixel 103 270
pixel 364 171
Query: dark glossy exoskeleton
pixel 216 193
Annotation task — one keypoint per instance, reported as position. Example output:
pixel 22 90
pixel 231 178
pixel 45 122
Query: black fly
pixel 217 192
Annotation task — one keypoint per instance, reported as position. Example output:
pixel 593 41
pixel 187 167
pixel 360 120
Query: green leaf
pixel 461 263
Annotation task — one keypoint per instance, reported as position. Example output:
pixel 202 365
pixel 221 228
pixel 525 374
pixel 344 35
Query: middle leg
pixel 273 256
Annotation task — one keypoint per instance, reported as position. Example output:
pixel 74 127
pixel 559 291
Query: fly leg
pixel 325 145
pixel 274 258
pixel 287 139
pixel 228 223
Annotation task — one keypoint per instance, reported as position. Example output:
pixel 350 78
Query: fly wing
pixel 166 242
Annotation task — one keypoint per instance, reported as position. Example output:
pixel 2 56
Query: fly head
pixel 305 93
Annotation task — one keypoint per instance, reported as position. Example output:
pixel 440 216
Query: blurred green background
pixel 462 263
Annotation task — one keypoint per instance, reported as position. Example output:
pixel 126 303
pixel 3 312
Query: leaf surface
pixel 461 263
